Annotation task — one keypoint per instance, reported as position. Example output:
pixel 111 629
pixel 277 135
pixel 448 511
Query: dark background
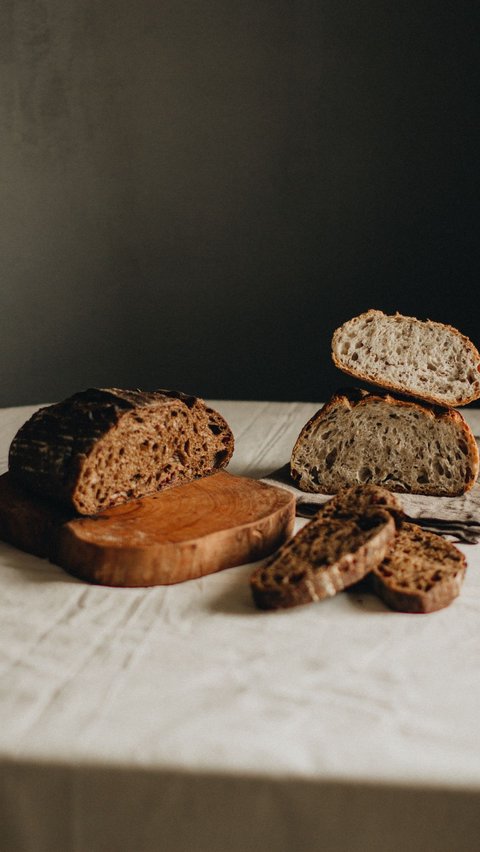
pixel 195 194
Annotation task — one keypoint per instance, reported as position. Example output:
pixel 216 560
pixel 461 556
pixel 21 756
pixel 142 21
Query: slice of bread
pixel 336 549
pixel 102 447
pixel 421 573
pixel 428 360
pixel 359 437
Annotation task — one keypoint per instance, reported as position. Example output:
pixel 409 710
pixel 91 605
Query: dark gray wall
pixel 194 194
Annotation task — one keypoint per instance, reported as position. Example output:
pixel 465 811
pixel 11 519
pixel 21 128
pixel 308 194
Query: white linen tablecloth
pixel 180 718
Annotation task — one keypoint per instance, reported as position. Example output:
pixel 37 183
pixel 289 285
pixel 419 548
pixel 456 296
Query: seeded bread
pixel 421 573
pixel 359 437
pixel 428 360
pixel 102 447
pixel 336 549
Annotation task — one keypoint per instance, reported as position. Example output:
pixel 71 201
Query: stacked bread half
pixel 361 446
pixel 407 436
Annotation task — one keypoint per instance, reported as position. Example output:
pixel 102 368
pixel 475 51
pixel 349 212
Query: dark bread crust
pixel 50 454
pixel 335 550
pixel 398 387
pixel 422 572
pixel 350 398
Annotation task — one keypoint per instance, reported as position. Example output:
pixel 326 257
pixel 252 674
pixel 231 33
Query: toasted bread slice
pixel 422 572
pixel 336 549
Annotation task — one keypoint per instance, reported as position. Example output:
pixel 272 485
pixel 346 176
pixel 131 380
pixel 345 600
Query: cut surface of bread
pixel 359 438
pixel 428 360
pixel 333 551
pixel 104 446
pixel 421 573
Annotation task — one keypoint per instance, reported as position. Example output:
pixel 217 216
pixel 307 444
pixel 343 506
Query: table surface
pixel 190 682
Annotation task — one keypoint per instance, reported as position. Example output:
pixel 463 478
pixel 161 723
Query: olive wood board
pixel 171 536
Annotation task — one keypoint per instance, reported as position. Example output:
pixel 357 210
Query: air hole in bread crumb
pixel 423 478
pixel 366 522
pixel 330 458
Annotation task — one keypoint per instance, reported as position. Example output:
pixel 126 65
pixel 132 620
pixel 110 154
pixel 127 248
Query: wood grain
pixel 176 535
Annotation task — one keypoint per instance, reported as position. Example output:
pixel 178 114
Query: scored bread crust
pixel 421 573
pixel 105 446
pixel 380 377
pixel 316 464
pixel 333 551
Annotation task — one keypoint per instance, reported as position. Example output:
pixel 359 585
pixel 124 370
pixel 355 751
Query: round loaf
pixel 104 446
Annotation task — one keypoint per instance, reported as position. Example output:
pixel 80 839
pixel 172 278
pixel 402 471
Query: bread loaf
pixel 428 360
pixel 336 549
pixel 359 437
pixel 102 447
pixel 421 573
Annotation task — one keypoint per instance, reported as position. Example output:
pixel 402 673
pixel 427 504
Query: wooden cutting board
pixel 175 535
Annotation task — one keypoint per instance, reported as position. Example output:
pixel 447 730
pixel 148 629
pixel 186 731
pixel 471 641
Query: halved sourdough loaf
pixel 336 549
pixel 104 446
pixel 421 573
pixel 428 360
pixel 359 437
